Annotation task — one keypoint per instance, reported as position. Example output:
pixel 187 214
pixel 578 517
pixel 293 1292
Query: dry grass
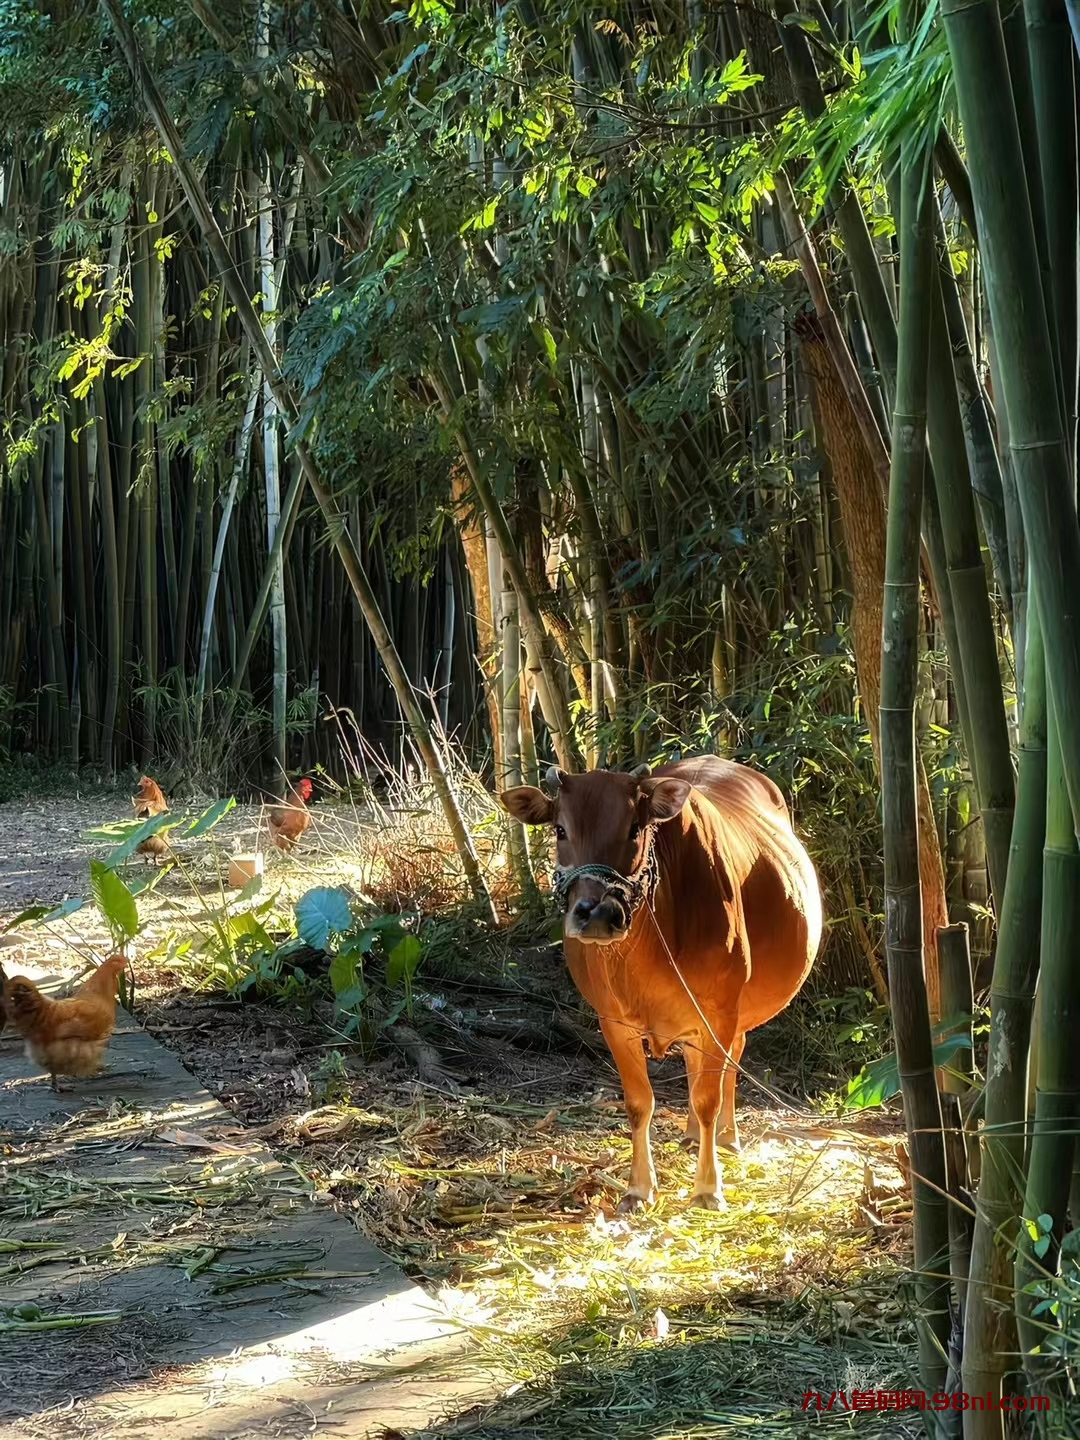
pixel 514 1208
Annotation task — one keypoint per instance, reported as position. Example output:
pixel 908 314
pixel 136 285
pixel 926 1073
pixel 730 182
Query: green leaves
pixel 321 913
pixel 209 818
pixel 115 901
pixel 131 833
pixel 403 960
pixel 1041 1233
pixel 880 1081
pixel 134 832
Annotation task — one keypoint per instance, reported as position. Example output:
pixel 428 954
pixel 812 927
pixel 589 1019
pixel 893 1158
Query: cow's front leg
pixel 706 1064
pixel 629 1056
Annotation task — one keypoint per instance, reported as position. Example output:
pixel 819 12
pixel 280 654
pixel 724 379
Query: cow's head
pixel 604 826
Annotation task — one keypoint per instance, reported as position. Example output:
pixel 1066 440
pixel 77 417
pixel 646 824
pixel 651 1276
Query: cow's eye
pixel 635 831
pixel 560 833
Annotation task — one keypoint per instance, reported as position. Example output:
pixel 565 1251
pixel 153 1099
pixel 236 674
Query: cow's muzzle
pixel 596 921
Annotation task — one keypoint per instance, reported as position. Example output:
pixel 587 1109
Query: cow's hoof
pixel 690 1142
pixel 708 1200
pixel 729 1140
pixel 632 1204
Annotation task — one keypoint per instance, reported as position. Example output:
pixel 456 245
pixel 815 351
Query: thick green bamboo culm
pixel 983 459
pixel 1053 100
pixel 899 673
pixel 989 1332
pixel 987 731
pixel 335 520
pixel 1039 452
pixel 957 1004
pixel 1057 1094
pixel 970 629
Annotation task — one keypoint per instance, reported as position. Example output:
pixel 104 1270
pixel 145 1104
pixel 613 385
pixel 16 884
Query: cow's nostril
pixel 584 909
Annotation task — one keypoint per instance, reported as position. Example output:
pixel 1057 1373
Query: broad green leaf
pixel 880 1081
pixel 402 962
pixel 247 925
pixel 136 833
pixel 114 900
pixel 249 889
pixel 24 917
pixel 66 908
pixel 323 912
pixel 342 972
pixel 209 818
pixel 142 884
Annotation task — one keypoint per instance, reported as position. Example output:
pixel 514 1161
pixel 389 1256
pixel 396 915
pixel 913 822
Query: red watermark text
pixel 919 1400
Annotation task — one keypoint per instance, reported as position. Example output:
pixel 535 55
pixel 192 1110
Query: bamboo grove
pixel 589 386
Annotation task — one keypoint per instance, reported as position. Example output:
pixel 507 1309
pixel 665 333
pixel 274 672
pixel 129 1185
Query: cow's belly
pixel 783 945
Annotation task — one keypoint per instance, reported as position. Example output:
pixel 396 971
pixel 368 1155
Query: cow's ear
pixel 665 797
pixel 529 805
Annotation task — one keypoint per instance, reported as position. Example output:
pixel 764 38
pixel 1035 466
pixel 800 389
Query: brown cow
pixel 691 913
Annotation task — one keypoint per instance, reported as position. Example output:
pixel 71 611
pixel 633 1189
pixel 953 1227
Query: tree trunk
pixel 862 513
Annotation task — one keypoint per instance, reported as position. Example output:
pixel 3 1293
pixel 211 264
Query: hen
pixel 66 1037
pixel 149 802
pixel 291 818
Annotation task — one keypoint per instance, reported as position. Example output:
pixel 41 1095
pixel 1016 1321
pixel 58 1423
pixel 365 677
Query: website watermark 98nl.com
pixel 919 1400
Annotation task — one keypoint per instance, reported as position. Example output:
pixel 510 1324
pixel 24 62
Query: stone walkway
pixel 159 1268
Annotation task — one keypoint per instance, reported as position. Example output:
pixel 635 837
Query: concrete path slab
pixel 160 1268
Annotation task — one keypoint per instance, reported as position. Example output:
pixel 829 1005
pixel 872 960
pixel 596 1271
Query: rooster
pixel 66 1037
pixel 149 802
pixel 291 818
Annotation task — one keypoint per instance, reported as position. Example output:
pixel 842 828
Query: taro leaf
pixel 66 908
pixel 323 912
pixel 346 974
pixel 246 924
pixel 24 917
pixel 402 962
pixel 209 818
pixel 141 884
pixel 133 837
pixel 249 889
pixel 114 900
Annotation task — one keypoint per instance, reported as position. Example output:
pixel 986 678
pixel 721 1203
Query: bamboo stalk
pixel 989 1331
pixel 1029 382
pixel 899 772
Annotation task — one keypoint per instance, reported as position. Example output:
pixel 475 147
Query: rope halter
pixel 629 892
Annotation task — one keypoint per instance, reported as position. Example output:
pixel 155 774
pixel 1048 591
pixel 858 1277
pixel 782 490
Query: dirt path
pixel 160 1266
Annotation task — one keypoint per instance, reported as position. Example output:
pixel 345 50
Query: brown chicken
pixel 66 1037
pixel 149 802
pixel 291 818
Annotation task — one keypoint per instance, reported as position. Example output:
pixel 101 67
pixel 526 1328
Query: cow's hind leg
pixel 706 1066
pixel 629 1056
pixel 692 1137
pixel 727 1135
